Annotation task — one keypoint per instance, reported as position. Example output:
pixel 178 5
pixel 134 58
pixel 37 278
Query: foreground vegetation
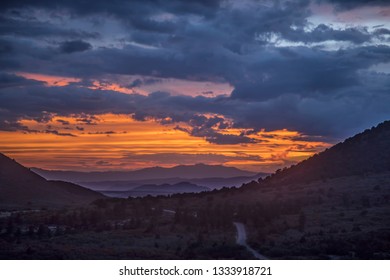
pixel 342 218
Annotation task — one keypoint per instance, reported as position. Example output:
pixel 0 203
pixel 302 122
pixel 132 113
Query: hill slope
pixel 22 188
pixel 364 153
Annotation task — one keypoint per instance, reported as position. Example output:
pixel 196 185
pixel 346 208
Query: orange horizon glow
pixel 117 142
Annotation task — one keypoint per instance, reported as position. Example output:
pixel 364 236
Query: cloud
pixel 137 12
pixel 185 158
pixel 285 72
pixel 56 132
pixel 144 81
pixel 350 4
pixel 213 136
pixel 86 118
pixel 103 163
pixel 382 31
pixel 103 132
pixel 11 80
pixel 25 26
pixel 6 125
pixel 63 122
pixel 74 46
pixel 322 33
pixel 328 115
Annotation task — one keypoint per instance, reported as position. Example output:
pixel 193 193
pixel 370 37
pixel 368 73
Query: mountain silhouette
pixel 181 171
pixel 363 154
pixel 22 188
pixel 211 183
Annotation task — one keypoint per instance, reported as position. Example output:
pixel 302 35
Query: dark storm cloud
pixel 74 46
pixel 212 136
pixel 328 115
pixel 350 4
pixel 33 28
pixel 11 80
pixel 5 47
pixel 382 31
pixel 141 82
pixel 6 125
pixel 307 72
pixel 224 48
pixel 42 103
pixel 305 88
pixel 220 47
pixel 323 33
pixel 135 83
pixel 128 10
pixel 20 54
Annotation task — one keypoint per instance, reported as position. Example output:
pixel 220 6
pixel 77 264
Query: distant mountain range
pixel 211 183
pixel 196 171
pixel 154 190
pixel 22 188
pixel 210 176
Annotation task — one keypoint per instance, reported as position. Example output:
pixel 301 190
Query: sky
pixel 123 85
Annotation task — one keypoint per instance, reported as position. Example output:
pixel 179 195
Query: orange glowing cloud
pixel 52 81
pixel 115 87
pixel 117 142
pixel 117 83
pixel 147 84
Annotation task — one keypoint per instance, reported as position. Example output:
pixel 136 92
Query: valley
pixel 328 213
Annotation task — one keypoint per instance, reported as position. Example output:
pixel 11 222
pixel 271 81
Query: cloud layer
pixel 286 72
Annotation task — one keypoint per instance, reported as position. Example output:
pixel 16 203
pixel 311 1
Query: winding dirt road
pixel 241 240
pixel 241 237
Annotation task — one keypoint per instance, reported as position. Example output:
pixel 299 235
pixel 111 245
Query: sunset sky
pixel 122 85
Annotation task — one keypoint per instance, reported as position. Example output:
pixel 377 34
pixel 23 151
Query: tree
pixel 346 201
pixel 302 221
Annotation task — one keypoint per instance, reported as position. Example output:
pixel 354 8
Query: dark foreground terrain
pixel 334 205
pixel 332 219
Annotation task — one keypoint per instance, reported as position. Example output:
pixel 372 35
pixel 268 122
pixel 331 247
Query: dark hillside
pixel 364 153
pixel 22 188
